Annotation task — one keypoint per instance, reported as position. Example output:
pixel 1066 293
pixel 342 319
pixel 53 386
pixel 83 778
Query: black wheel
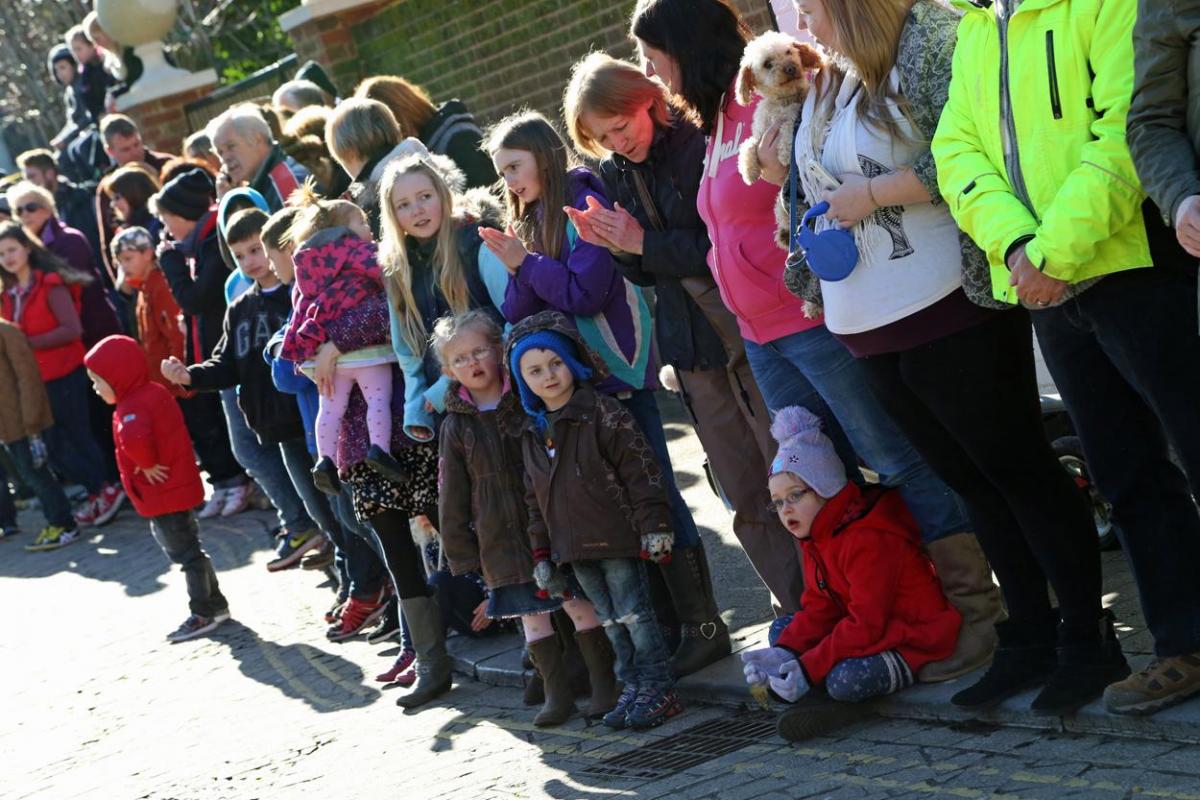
pixel 1070 454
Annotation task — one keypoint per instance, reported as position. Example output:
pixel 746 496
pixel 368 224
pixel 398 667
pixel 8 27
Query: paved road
pixel 95 704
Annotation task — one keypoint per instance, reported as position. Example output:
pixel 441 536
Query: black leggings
pixel 400 553
pixel 969 404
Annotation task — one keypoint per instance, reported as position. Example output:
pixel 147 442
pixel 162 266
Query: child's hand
pixel 791 683
pixel 760 665
pixel 506 247
pixel 38 453
pixel 550 581
pixel 174 370
pixel 421 433
pixel 480 619
pixel 656 547
pixel 155 474
pixel 327 358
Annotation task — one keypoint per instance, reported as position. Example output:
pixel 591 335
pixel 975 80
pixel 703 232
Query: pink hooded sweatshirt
pixel 745 261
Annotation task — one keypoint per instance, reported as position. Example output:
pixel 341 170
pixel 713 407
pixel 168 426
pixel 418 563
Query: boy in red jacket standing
pixel 872 612
pixel 158 469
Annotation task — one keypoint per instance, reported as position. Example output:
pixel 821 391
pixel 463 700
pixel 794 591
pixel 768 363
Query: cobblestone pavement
pixel 96 704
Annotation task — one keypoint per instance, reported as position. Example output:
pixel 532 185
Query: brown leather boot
pixel 967 582
pixel 598 655
pixel 704 636
pixel 560 702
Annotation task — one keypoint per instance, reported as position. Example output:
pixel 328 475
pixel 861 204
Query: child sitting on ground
pixel 872 613
pixel 158 316
pixel 596 502
pixel 338 287
pixel 484 525
pixel 158 469
pixel 24 414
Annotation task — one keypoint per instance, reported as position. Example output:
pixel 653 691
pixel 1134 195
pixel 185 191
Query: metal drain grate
pixel 696 745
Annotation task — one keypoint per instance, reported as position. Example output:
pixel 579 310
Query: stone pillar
pixel 320 31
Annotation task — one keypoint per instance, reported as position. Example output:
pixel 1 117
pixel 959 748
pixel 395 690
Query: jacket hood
pixel 334 245
pixel 60 52
pixel 240 193
pixel 458 399
pixel 852 504
pixel 454 177
pixel 580 181
pixel 119 360
pixel 558 322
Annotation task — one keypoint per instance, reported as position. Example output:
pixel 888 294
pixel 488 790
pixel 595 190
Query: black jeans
pixel 74 452
pixel 356 556
pixel 969 404
pixel 55 506
pixel 1126 358
pixel 400 554
pixel 178 535
pixel 205 421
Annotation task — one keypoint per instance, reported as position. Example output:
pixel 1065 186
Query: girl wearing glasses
pixel 872 611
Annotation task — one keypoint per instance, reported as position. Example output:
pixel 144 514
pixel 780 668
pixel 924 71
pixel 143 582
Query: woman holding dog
pixel 651 161
pixel 695 48
pixel 953 370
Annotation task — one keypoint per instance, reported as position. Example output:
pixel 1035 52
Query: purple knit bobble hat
pixel 806 452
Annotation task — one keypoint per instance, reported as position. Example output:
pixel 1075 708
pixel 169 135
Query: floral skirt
pixel 372 494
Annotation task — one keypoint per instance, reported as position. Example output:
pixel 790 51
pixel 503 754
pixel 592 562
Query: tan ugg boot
pixel 967 582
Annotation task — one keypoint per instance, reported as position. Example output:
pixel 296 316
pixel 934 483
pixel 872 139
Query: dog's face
pixel 776 66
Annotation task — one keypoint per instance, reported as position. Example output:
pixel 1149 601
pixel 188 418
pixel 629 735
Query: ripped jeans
pixel 620 591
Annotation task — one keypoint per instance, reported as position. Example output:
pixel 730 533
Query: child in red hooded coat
pixel 158 469
pixel 872 612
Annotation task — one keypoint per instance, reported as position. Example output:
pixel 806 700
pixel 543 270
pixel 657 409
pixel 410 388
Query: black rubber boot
pixel 1087 664
pixel 704 636
pixel 429 640
pixel 386 464
pixel 325 476
pixel 1023 659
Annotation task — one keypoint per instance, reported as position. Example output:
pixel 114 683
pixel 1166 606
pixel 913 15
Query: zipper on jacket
pixel 1008 129
pixel 1055 100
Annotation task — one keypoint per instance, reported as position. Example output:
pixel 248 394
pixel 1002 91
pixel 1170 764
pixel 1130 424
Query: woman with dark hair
pixel 304 140
pixel 447 129
pixel 129 189
pixel 42 297
pixel 694 47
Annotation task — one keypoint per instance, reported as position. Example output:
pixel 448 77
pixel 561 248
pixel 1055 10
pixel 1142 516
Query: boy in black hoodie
pixel 238 360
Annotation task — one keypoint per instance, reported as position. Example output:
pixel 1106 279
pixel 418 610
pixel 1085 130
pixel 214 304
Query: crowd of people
pixel 433 350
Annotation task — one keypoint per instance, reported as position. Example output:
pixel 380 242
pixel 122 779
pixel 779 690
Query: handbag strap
pixel 647 200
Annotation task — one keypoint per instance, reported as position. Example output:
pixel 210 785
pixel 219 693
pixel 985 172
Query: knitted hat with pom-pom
pixel 806 452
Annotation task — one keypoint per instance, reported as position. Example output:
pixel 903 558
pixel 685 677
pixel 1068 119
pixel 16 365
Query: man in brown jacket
pixel 24 414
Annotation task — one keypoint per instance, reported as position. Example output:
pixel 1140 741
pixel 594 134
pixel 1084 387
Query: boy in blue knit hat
pixel 597 502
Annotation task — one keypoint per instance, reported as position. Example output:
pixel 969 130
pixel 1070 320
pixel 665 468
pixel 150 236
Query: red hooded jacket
pixel 868 587
pixel 148 429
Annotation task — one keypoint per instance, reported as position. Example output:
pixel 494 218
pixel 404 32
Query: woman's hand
pixel 480 620
pixel 174 370
pixel 585 222
pixel 851 202
pixel 155 474
pixel 618 226
pixel 326 367
pixel 506 247
pixel 773 169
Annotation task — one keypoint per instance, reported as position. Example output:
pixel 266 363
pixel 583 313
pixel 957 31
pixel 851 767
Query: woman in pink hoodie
pixel 694 47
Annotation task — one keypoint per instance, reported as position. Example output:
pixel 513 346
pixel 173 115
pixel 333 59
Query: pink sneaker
pixel 400 670
pixel 85 512
pixel 237 499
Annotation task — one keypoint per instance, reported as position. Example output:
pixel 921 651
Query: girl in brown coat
pixel 24 414
pixel 484 524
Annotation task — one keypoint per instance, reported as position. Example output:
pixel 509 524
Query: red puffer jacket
pixel 148 430
pixel 36 317
pixel 868 587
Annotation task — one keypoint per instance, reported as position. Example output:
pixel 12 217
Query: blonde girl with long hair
pixel 433 266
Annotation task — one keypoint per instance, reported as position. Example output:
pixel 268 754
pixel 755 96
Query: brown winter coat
pixel 481 493
pixel 24 406
pixel 603 489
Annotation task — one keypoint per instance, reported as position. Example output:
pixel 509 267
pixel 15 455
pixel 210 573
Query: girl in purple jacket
pixel 551 267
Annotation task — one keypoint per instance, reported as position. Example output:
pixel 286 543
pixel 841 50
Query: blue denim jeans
pixel 814 370
pixel 620 590
pixel 360 567
pixel 299 463
pixel 265 465
pixel 644 408
pixel 1124 355
pixel 55 506
pixel 73 449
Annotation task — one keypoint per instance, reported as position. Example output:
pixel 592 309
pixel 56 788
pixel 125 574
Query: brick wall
pixel 499 55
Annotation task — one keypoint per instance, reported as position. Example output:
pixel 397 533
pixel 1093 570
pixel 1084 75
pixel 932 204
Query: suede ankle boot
pixel 1087 662
pixel 966 579
pixel 1023 658
pixel 598 655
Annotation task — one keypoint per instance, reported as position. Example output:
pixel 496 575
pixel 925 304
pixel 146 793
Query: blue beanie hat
pixel 560 344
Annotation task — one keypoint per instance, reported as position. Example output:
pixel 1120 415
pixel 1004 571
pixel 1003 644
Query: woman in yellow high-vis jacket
pixel 1032 160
